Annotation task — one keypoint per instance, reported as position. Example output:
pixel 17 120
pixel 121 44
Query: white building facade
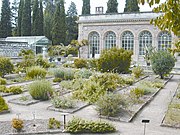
pixel 131 31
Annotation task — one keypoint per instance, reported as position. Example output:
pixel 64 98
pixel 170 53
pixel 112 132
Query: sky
pixel 98 3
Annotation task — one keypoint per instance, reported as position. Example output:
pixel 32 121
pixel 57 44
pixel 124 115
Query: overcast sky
pixel 97 3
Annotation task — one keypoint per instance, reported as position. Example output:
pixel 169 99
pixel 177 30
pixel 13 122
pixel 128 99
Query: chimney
pixel 99 10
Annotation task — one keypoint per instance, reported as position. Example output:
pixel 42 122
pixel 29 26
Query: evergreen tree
pixel 41 20
pixel 26 19
pixel 5 25
pixel 71 22
pixel 14 11
pixel 131 6
pixel 35 18
pixel 21 5
pixel 112 6
pixel 48 17
pixel 86 7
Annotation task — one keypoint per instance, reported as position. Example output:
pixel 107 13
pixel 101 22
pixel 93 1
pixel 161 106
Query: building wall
pixel 119 23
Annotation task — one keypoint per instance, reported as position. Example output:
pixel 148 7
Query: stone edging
pixel 5 111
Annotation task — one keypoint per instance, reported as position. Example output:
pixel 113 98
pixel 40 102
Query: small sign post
pixel 145 122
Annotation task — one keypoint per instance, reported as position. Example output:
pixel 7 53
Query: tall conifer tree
pixel 26 19
pixel 41 20
pixel 5 24
pixel 131 6
pixel 14 12
pixel 20 10
pixel 112 6
pixel 86 7
pixel 35 18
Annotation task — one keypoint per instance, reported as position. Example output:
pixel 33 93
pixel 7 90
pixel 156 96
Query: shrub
pixel 64 74
pixel 137 72
pixel 162 63
pixel 40 90
pixel 3 104
pixel 178 95
pixel 15 89
pixel 2 81
pixel 57 80
pixel 80 63
pixel 84 73
pixel 6 66
pixel 53 123
pixel 114 60
pixel 18 124
pixel 78 125
pixel 3 88
pixel 92 63
pixel 110 104
pixel 64 103
pixel 137 93
pixel 36 72
pixel 129 80
pixel 59 73
pixel 147 89
pixel 42 62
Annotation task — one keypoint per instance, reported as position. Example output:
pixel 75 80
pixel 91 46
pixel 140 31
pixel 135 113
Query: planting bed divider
pixel 132 114
pixel 5 111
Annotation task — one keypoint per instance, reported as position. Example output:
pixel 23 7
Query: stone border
pixel 5 112
pixel 71 110
pixel 25 103
pixel 140 108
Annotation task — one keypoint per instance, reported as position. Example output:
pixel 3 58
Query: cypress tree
pixel 131 6
pixel 72 29
pixel 112 6
pixel 21 5
pixel 14 11
pixel 5 24
pixel 86 7
pixel 35 18
pixel 26 19
pixel 41 20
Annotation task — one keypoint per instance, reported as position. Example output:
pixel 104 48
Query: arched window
pixel 164 40
pixel 145 40
pixel 94 42
pixel 110 40
pixel 127 40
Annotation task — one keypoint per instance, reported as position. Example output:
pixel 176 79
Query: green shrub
pixel 110 104
pixel 136 93
pixel 40 90
pixel 78 125
pixel 137 72
pixel 59 102
pixel 59 73
pixel 15 89
pixel 162 63
pixel 178 95
pixel 3 105
pixel 36 72
pixel 80 63
pixel 147 87
pixel 158 85
pixel 64 74
pixel 57 80
pixel 3 88
pixel 83 73
pixel 92 64
pixel 2 81
pixel 129 80
pixel 53 123
pixel 42 62
pixel 6 66
pixel 114 60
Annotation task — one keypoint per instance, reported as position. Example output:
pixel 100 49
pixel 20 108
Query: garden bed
pixel 24 100
pixel 31 127
pixel 78 106
pixel 172 116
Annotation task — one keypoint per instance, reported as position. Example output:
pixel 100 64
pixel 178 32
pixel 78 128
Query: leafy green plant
pixel 2 81
pixel 18 124
pixel 114 60
pixel 3 88
pixel 15 89
pixel 57 80
pixel 80 63
pixel 53 123
pixel 78 125
pixel 129 80
pixel 83 73
pixel 137 72
pixel 136 93
pixel 162 63
pixel 59 73
pixel 6 66
pixel 40 90
pixel 42 62
pixel 23 98
pixel 64 74
pixel 36 72
pixel 178 95
pixel 3 104
pixel 110 104
pixel 59 102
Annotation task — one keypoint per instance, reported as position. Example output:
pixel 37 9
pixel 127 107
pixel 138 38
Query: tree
pixel 48 17
pixel 71 22
pixel 5 24
pixel 41 20
pixel 86 7
pixel 162 63
pixel 14 11
pixel 20 11
pixel 6 66
pixel 131 6
pixel 26 19
pixel 170 18
pixel 112 6
pixel 35 18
